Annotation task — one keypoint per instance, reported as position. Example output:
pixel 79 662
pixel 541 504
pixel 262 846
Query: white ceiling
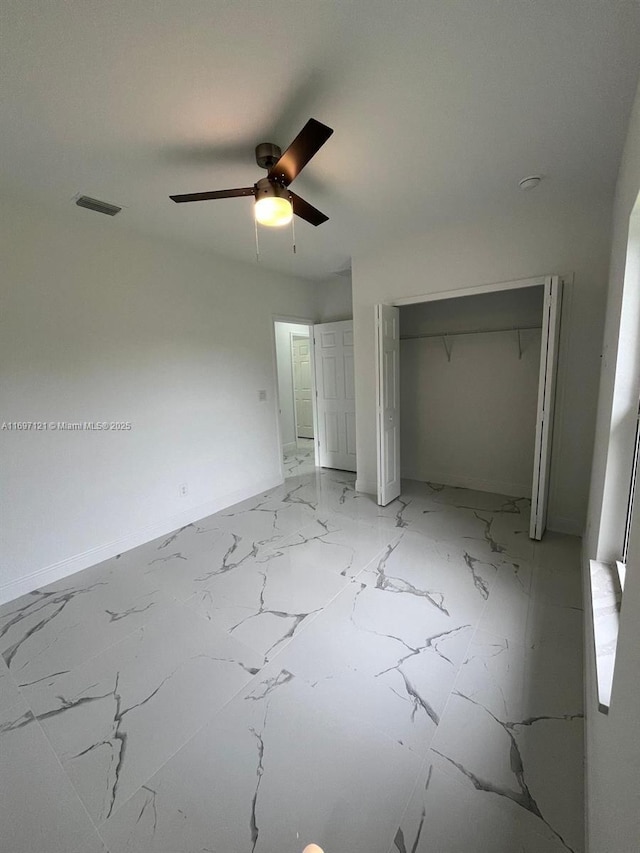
pixel 439 108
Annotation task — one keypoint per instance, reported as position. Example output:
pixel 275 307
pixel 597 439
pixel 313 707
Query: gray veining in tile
pixel 301 460
pixel 443 815
pixel 48 632
pixel 39 809
pixel 454 580
pixel 510 760
pixel 116 719
pixel 383 659
pixel 10 695
pixel 340 545
pixel 265 602
pixel 293 775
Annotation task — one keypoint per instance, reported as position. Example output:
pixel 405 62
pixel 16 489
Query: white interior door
pixel 301 359
pixel 335 387
pixel 546 398
pixel 388 402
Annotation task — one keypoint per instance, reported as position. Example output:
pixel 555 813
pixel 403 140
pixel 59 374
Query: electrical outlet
pixel 262 396
pixel 183 490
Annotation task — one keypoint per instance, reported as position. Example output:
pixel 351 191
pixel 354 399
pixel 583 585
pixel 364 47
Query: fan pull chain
pixel 255 222
pixel 293 231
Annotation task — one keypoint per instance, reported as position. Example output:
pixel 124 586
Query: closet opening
pixel 466 387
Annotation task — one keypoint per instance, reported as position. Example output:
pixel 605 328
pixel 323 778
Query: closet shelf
pixel 444 336
pixel 467 332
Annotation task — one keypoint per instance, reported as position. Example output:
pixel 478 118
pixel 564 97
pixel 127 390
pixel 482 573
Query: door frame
pixel 387 491
pixel 545 412
pixel 474 290
pixel 300 321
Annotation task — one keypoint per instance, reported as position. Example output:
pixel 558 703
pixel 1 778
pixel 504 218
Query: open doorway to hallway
pixel 296 391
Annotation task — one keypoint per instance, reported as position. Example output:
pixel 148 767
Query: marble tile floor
pixel 303 667
pixel 301 460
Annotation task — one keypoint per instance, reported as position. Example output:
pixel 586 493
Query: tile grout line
pixel 67 777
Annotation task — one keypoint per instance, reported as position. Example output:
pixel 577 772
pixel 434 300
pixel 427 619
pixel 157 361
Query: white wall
pixel 470 420
pixel 285 381
pixel 334 299
pixel 100 324
pixel 613 741
pixel 530 242
pixel 617 430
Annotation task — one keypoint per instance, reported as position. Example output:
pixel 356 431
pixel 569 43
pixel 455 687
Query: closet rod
pixel 467 332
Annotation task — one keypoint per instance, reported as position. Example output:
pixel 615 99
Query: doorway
pixel 296 392
pixel 302 387
pixel 460 399
pixel 316 395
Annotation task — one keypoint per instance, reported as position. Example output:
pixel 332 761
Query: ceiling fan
pixel 275 203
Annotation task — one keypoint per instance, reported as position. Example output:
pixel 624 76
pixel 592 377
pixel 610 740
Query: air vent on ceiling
pixel 99 206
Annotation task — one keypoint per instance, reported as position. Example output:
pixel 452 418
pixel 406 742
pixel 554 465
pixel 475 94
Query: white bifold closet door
pixel 546 398
pixel 388 402
pixel 335 389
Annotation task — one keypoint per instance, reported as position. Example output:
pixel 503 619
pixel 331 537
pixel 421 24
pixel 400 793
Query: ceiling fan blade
pixel 214 194
pixel 307 211
pixel 307 143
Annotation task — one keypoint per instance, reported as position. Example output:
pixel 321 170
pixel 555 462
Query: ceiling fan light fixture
pixel 274 211
pixel 273 204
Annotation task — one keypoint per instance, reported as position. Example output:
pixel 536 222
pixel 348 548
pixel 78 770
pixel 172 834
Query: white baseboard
pixel 291 447
pixel 499 487
pixel 70 565
pixel 366 486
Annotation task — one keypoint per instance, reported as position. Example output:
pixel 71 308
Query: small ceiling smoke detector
pixel 530 183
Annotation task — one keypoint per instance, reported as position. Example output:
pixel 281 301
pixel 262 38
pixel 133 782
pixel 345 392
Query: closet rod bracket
pixel 447 346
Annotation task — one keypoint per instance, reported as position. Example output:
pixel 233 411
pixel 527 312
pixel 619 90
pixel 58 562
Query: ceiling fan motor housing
pixel 267 154
pixel 269 188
